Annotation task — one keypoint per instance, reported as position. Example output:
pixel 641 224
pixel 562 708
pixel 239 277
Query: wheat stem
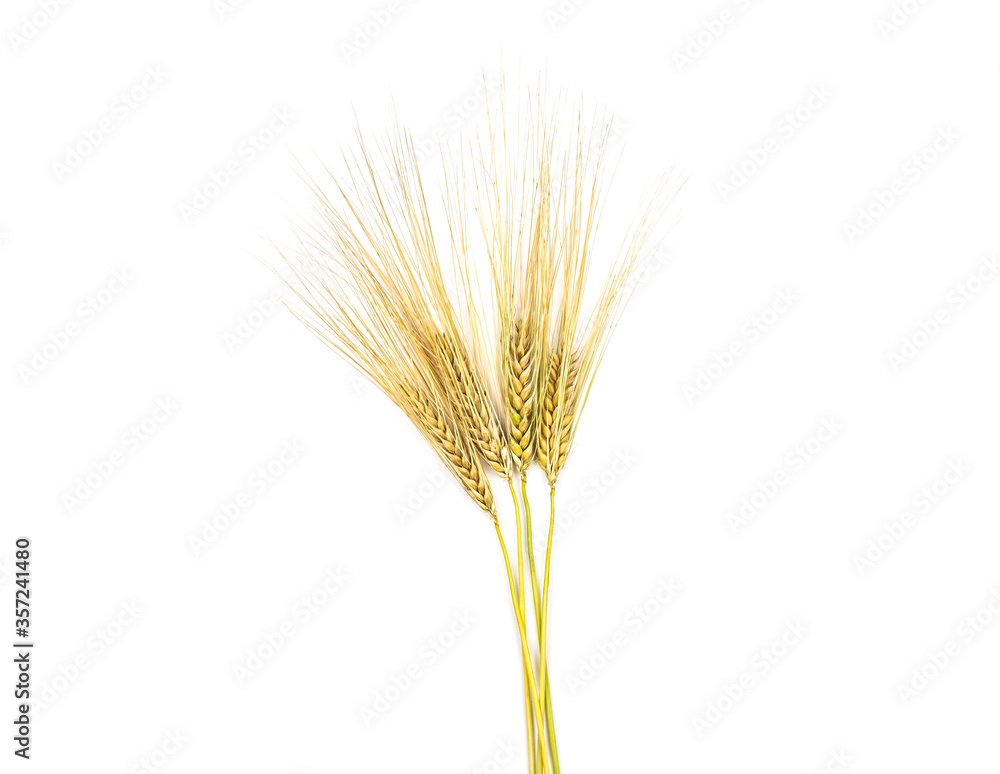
pixel 546 693
pixel 525 651
pixel 545 591
pixel 527 664
pixel 534 588
pixel 531 553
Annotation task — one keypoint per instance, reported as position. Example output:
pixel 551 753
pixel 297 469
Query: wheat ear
pixel 558 412
pixel 521 395
pixel 450 445
pixel 462 382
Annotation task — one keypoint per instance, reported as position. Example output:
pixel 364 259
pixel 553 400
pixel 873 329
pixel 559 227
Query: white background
pixel 193 281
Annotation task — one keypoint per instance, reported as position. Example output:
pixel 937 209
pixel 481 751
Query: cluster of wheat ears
pixel 492 379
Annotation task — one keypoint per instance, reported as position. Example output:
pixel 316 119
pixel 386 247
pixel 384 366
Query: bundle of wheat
pixel 368 281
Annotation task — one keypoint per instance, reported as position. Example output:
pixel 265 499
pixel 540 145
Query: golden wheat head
pixel 575 345
pixel 366 280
